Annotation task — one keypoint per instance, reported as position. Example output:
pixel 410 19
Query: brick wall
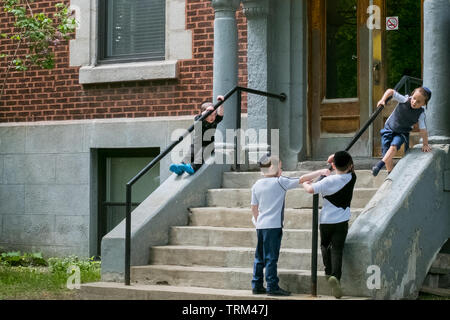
pixel 45 95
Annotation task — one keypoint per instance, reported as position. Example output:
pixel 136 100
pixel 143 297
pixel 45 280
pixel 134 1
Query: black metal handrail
pixel 405 81
pixel 130 183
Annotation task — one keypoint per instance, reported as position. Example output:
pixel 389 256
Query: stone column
pixel 225 73
pixel 287 70
pixel 257 12
pixel 436 68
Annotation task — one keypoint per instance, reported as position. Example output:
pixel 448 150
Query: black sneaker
pixel 259 290
pixel 279 292
pixel 375 171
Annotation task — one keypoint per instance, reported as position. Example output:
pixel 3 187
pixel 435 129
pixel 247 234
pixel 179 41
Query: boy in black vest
pixel 203 138
pixel 408 112
pixel 337 193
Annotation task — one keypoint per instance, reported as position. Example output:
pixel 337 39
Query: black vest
pixel 205 126
pixel 403 118
pixel 343 197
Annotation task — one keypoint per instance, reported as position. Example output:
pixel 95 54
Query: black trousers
pixel 332 239
pixel 196 159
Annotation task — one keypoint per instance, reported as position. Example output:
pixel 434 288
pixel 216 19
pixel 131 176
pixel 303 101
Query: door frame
pixel 102 155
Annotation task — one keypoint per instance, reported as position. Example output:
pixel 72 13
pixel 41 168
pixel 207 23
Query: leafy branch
pixel 37 33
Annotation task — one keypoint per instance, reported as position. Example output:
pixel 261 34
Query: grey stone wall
pixel 48 182
pixel 44 188
pixel 48 185
pixel 401 230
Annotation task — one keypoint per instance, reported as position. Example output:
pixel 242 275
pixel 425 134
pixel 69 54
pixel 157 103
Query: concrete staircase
pixel 212 257
pixel 437 281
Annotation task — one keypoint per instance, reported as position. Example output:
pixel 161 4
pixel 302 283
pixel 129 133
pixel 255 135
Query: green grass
pixel 45 282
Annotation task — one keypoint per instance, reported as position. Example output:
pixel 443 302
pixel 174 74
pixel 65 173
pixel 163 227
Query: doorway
pixel 350 66
pixel 115 168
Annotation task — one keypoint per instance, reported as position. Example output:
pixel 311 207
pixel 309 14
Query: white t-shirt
pixel 328 186
pixel 269 195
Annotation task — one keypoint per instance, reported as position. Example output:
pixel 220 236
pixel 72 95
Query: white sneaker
pixel 335 287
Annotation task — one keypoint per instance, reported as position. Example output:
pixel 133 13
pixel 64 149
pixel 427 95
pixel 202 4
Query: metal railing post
pixel 314 246
pixel 128 235
pixel 237 133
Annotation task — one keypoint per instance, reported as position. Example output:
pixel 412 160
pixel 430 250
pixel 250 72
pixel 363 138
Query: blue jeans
pixel 266 256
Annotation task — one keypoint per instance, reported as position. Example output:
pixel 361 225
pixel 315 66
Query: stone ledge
pixel 136 71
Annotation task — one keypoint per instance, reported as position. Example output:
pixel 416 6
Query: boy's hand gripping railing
pixel 130 183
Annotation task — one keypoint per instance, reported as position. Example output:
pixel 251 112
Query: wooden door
pixel 335 74
pixel 339 60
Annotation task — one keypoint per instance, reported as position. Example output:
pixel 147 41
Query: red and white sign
pixel 391 23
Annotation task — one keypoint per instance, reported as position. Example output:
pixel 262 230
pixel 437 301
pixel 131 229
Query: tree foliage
pixel 36 32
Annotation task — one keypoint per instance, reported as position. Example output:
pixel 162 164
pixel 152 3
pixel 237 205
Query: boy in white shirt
pixel 337 193
pixel 268 196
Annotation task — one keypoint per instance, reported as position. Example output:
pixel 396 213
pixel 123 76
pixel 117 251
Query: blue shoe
pixel 188 168
pixel 176 168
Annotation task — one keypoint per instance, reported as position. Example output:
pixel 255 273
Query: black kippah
pixel 342 159
pixel 428 91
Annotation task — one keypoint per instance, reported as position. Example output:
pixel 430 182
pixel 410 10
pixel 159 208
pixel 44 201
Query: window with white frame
pixel 129 40
pixel 131 30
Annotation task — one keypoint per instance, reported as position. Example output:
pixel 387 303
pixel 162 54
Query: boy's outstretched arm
pixel 307 185
pixel 312 175
pixel 425 146
pixel 387 94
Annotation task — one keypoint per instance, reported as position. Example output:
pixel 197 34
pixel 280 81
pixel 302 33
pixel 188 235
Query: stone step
pixel 232 237
pixel 360 163
pixel 231 179
pixel 442 292
pixel 295 281
pixel 295 198
pixel 118 291
pixel 241 217
pixel 441 265
pixel 240 257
